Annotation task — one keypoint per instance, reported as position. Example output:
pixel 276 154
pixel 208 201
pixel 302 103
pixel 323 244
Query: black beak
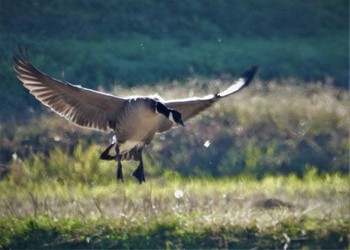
pixel 181 123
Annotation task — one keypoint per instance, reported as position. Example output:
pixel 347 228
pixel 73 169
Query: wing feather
pixel 82 106
pixel 192 106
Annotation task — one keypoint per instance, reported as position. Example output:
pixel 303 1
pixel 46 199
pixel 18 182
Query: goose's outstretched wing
pixel 192 106
pixel 84 107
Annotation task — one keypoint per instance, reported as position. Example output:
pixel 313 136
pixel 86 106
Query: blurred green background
pixel 103 43
pixel 301 46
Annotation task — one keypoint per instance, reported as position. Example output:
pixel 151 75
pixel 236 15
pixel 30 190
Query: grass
pixel 183 213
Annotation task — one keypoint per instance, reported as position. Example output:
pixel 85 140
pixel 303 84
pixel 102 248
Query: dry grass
pixel 240 213
pixel 231 200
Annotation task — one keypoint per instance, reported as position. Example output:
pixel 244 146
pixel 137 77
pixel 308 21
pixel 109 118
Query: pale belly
pixel 129 145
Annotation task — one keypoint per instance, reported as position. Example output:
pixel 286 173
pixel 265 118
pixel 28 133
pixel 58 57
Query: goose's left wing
pixel 192 106
pixel 82 106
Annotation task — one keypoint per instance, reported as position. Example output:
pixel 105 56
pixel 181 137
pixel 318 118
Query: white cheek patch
pixel 171 117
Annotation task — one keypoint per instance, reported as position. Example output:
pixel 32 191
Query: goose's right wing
pixel 192 106
pixel 82 106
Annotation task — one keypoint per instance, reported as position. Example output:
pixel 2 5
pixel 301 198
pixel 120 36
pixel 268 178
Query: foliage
pixel 274 212
pixel 165 232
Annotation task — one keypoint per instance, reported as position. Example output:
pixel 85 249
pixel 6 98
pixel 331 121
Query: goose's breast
pixel 138 127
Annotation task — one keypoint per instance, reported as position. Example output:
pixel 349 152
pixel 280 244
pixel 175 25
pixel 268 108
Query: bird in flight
pixel 135 120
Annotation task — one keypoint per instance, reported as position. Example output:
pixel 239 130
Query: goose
pixel 135 120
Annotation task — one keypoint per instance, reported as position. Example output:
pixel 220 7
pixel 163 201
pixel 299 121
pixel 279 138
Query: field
pixel 276 212
pixel 267 168
pixel 249 189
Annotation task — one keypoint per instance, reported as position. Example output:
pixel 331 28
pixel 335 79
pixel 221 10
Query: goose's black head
pixel 175 116
pixel 172 114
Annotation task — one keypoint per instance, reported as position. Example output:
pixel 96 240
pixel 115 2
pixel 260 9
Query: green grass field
pixel 275 212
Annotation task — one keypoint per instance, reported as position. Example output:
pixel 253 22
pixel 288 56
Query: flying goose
pixel 135 120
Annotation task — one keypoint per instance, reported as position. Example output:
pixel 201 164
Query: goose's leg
pixel 105 154
pixel 120 167
pixel 139 174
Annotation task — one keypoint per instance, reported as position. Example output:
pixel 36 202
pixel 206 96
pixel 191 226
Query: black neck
pixel 160 108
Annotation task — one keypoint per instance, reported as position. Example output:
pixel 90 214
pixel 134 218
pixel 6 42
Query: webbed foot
pixel 139 174
pixel 105 154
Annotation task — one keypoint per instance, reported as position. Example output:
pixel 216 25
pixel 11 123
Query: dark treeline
pixel 186 21
pixel 101 43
